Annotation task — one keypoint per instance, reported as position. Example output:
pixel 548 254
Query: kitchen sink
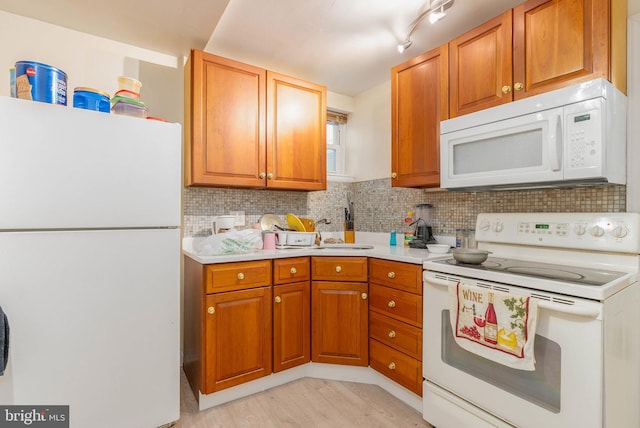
pixel 345 246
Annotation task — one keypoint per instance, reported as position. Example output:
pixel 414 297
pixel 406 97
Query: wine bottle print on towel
pixel 492 319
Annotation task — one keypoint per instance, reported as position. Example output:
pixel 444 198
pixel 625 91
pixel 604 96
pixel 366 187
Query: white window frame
pixel 339 135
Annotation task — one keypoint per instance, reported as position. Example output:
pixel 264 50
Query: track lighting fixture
pixel 436 11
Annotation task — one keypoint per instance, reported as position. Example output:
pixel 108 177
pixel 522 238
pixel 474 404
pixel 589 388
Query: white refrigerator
pixel 90 263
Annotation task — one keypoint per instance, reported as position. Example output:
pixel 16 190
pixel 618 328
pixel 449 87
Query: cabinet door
pixel 225 140
pixel 480 72
pixel 559 42
pixel 419 101
pixel 339 323
pixel 296 134
pixel 237 343
pixel 291 325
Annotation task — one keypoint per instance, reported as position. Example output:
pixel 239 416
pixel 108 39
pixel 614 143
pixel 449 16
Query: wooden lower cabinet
pixel 339 310
pixel 397 366
pixel 395 344
pixel 339 320
pixel 237 337
pixel 228 334
pixel 291 325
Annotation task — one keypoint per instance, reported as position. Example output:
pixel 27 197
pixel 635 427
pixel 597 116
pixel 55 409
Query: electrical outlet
pixel 240 218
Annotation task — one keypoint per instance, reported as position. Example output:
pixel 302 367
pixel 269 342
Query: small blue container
pixel 41 82
pixel 91 99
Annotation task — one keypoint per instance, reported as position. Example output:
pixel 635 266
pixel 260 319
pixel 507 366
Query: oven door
pixel 565 389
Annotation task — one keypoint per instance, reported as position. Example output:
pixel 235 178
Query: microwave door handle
pixel 555 145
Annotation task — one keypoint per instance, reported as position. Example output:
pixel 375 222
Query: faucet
pixel 319 237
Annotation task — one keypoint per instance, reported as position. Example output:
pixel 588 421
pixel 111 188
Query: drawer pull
pixel 391 275
pixel 392 334
pixel 392 303
pixel 506 89
pixel 364 296
pixel 278 299
pixel 518 86
pixel 338 268
pixel 293 271
pixel 211 310
pixel 240 275
pixel 392 365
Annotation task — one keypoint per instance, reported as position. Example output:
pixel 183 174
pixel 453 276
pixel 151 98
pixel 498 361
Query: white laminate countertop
pixel 381 249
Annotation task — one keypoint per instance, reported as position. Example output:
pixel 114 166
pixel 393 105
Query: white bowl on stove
pixel 438 248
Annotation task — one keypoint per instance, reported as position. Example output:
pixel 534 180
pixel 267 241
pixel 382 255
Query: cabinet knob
pixel 338 268
pixel 293 271
pixel 392 334
pixel 211 310
pixel 394 175
pixel 506 89
pixel 262 175
pixel 364 296
pixel 278 299
pixel 391 275
pixel 240 275
pixel 392 303
pixel 392 365
pixel 518 86
pixel 270 176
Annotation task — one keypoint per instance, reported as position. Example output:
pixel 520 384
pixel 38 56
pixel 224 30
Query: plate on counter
pixel 267 221
pixel 295 223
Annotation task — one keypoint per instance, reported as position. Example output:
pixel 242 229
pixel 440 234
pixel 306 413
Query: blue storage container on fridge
pixel 41 82
pixel 91 99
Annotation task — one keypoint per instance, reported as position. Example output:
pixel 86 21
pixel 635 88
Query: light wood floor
pixel 305 403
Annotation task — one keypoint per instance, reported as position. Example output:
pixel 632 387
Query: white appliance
pixel 90 263
pixel 570 136
pixel 582 268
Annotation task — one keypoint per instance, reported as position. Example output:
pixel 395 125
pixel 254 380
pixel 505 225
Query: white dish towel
pixel 508 341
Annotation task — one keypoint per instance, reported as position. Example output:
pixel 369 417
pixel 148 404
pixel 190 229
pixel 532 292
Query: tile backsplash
pixel 377 205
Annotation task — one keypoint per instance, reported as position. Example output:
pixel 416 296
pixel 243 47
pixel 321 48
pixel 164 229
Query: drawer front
pixel 396 366
pixel 339 269
pixel 396 334
pixel 402 276
pixel 295 269
pixel 396 304
pixel 238 276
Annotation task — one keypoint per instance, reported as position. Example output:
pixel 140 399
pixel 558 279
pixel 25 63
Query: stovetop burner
pixel 571 274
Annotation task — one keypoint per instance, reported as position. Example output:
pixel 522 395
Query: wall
pixel 87 60
pixel 633 113
pixel 368 153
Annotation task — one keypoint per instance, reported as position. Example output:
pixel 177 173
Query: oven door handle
pixel 571 310
pixel 542 304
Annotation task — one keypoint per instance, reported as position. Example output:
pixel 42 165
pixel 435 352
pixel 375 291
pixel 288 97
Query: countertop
pixel 381 249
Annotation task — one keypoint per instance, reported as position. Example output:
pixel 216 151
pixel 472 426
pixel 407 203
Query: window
pixel 336 132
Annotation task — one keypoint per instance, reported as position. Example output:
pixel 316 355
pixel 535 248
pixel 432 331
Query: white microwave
pixel 568 137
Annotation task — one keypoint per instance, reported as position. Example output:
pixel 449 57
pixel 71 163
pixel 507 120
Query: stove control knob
pixel 580 229
pixel 498 227
pixel 597 231
pixel 620 232
pixel 485 225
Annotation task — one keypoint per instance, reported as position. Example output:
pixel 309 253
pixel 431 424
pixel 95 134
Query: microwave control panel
pixel 583 133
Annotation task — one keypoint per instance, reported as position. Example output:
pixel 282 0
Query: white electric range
pixel 582 269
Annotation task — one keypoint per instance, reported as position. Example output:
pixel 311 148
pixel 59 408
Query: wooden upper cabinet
pixel 248 127
pixel 296 134
pixel 480 71
pixel 539 46
pixel 419 101
pixel 560 42
pixel 225 133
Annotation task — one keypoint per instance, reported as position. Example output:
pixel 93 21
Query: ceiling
pixel 347 45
